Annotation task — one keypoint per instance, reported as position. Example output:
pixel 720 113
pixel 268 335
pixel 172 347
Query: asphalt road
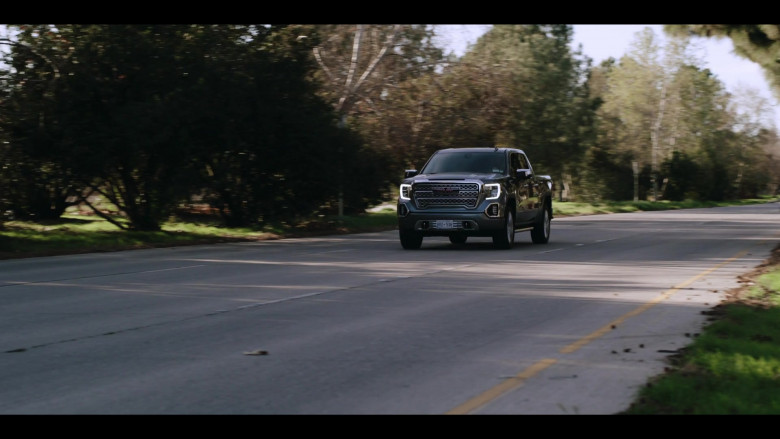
pixel 354 324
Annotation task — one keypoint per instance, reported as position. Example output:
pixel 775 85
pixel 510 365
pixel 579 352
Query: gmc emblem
pixel 445 190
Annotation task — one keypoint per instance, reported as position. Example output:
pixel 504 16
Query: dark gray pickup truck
pixel 462 192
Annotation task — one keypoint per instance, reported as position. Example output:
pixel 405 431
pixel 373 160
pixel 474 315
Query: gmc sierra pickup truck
pixel 462 192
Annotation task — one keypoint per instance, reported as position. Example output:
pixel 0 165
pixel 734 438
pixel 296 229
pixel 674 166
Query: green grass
pixel 566 208
pixel 732 367
pixel 89 233
pixel 766 286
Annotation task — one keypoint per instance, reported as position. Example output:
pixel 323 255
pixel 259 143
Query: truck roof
pixel 481 149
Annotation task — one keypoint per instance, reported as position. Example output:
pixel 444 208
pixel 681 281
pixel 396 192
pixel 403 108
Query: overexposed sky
pixel 601 41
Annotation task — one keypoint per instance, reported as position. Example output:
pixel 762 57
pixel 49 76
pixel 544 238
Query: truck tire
pixel 410 240
pixel 541 231
pixel 506 238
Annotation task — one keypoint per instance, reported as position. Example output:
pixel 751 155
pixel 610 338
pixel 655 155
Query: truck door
pixel 523 187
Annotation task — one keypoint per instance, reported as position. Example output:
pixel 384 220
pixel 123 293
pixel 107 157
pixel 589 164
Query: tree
pixel 658 103
pixel 265 144
pixel 750 113
pixel 752 130
pixel 681 172
pixel 150 115
pixel 520 85
pixel 636 98
pixel 6 164
pixel 364 70
pixel 759 43
pixel 556 118
pixel 43 188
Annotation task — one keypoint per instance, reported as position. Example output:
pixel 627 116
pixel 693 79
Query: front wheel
pixel 506 238
pixel 541 231
pixel 410 240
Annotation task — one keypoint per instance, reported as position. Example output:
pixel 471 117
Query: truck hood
pixel 457 176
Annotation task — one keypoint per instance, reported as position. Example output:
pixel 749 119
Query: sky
pixel 600 41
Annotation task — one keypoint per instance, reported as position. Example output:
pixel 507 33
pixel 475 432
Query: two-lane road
pixel 354 324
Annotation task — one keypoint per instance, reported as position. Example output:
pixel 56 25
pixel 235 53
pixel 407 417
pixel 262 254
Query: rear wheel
pixel 410 240
pixel 541 231
pixel 506 238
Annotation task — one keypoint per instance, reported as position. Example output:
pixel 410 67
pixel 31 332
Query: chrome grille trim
pixel 448 194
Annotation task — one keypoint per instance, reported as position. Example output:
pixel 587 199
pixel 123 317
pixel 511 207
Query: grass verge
pixel 88 234
pixel 575 208
pixel 733 366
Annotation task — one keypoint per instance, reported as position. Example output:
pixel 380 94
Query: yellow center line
pixel 518 380
pixel 665 295
pixel 507 385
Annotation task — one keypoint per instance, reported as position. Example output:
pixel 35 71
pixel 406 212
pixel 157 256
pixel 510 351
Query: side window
pixel 515 162
pixel 523 162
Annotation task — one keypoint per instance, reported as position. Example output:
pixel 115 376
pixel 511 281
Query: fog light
pixel 492 210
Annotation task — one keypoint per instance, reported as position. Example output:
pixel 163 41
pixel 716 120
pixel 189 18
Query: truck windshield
pixel 488 162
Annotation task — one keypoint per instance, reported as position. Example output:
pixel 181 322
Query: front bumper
pixel 486 220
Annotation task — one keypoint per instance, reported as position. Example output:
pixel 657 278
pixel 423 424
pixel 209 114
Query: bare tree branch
pixel 318 57
pixel 378 58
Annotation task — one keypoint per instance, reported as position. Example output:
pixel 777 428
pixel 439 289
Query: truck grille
pixel 446 194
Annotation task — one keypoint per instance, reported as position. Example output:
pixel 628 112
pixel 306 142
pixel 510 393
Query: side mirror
pixel 523 174
pixel 410 173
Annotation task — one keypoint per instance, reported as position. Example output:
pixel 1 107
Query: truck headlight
pixel 492 191
pixel 405 192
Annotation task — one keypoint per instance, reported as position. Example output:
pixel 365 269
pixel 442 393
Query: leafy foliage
pixel 287 122
pixel 520 85
pixel 759 43
pixel 150 115
pixel 662 111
